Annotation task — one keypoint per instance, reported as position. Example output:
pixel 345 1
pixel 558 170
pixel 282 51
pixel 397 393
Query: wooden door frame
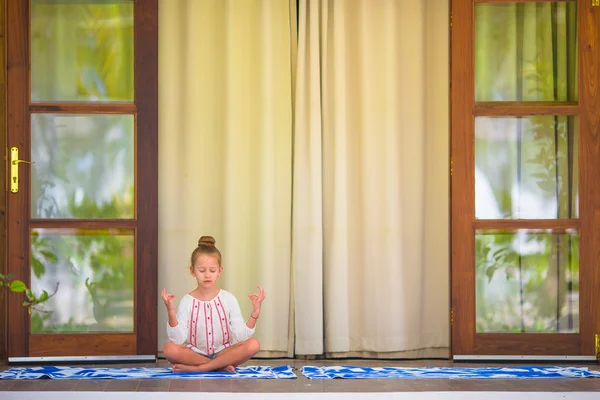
pixel 462 277
pixel 3 182
pixel 146 99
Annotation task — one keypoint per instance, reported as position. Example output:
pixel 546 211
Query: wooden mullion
pixel 3 186
pixel 589 177
pixel 541 344
pixel 146 100
pixel 83 224
pixel 17 89
pixel 525 108
pixel 522 1
pixel 88 344
pixel 462 190
pixel 558 225
pixel 83 108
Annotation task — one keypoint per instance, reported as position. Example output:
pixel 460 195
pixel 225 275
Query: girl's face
pixel 206 270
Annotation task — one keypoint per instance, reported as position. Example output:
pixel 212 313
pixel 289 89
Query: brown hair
pixel 206 245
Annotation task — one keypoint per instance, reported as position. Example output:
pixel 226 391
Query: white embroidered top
pixel 208 327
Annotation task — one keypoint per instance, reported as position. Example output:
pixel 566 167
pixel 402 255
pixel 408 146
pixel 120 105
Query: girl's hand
pixel 168 300
pixel 257 298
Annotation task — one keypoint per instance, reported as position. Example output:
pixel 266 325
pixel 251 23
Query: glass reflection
pixel 526 51
pixel 94 272
pixel 84 166
pixel 81 51
pixel 526 168
pixel 527 281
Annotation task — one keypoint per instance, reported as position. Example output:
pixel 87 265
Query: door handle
pixel 14 169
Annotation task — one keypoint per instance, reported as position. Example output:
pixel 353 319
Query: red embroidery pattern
pixel 223 322
pixel 194 323
pixel 210 336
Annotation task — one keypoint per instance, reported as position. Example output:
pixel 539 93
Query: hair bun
pixel 207 241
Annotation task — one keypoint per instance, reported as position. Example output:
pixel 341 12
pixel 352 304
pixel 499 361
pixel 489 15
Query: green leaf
pixel 490 272
pixel 541 175
pixel 17 286
pixel 37 267
pixel 29 294
pixel 546 186
pixel 43 297
pixel 26 304
pixel 2 277
pixel 49 255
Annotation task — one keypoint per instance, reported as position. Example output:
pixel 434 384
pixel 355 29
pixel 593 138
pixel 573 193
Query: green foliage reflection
pixel 81 52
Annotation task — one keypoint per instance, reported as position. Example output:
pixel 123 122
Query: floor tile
pixel 92 385
pixel 154 385
pixel 61 385
pixel 185 385
pixel 122 385
pixel 246 385
pixel 30 385
pixel 6 384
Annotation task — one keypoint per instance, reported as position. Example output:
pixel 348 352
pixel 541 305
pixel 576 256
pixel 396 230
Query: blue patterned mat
pixel 260 372
pixel 350 372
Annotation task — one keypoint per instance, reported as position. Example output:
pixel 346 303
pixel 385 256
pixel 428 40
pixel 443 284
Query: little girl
pixel 208 332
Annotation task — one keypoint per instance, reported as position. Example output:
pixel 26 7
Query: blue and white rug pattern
pixel 54 372
pixel 351 372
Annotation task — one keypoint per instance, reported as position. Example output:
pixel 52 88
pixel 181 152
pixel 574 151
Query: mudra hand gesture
pixel 168 300
pixel 257 299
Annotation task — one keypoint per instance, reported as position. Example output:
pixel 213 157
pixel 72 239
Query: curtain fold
pixel 361 197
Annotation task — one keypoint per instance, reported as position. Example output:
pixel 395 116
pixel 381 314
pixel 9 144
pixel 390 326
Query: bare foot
pixel 229 368
pixel 185 368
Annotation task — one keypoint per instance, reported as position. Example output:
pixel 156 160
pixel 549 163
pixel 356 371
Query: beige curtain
pixel 320 165
pixel 225 151
pixel 370 231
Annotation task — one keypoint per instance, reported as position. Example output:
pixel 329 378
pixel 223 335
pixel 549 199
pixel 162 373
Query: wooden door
pixel 525 179
pixel 82 219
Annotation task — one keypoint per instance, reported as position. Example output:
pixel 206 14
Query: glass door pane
pixel 527 281
pixel 526 51
pixel 90 273
pixel 84 166
pixel 81 51
pixel 526 167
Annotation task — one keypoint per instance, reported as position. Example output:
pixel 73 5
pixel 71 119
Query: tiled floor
pixel 305 385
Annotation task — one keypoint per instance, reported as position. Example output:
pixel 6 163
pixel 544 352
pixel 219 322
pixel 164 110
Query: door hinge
pixel 451 167
pixel 450 20
pixel 597 347
pixel 452 318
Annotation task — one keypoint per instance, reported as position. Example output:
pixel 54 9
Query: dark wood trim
pixel 3 182
pixel 520 1
pixel 537 344
pixel 520 109
pixel 462 189
pixel 85 344
pixel 17 14
pixel 557 225
pixel 450 183
pixel 83 224
pixel 146 99
pixel 83 108
pixel 589 174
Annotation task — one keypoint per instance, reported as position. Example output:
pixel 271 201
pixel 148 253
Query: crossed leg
pixel 226 360
pixel 180 354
